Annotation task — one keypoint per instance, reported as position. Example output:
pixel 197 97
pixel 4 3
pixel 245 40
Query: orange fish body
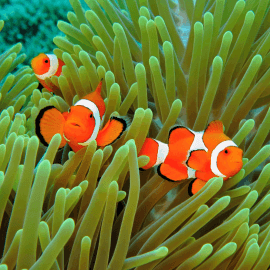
pixel 46 66
pixel 189 154
pixel 81 124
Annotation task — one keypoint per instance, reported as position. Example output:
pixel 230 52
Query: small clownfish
pixel 189 154
pixel 81 124
pixel 46 66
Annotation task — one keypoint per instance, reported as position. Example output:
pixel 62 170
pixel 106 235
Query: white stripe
pixel 93 107
pixel 53 67
pixel 163 150
pixel 198 143
pixel 220 147
pixel 191 172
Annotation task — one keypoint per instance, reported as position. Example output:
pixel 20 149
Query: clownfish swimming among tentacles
pixel 46 66
pixel 81 124
pixel 189 154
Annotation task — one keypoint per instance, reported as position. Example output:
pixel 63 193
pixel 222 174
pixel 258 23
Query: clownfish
pixel 46 66
pixel 189 154
pixel 81 124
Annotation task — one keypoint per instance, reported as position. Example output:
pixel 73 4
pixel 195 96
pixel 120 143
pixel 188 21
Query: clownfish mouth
pixel 75 124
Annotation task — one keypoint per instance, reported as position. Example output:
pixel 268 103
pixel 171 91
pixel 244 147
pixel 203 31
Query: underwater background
pixel 34 24
pixel 164 63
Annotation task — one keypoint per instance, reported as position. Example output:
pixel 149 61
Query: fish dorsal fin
pixel 96 98
pixel 215 126
pixel 214 134
pixel 99 87
pixel 179 132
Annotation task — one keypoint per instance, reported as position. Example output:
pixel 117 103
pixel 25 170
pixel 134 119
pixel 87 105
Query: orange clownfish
pixel 189 154
pixel 81 124
pixel 46 66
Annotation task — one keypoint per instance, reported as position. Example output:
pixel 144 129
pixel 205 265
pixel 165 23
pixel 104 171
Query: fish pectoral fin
pixel 49 122
pixel 179 132
pixel 197 160
pixel 172 174
pixel 111 132
pixel 195 185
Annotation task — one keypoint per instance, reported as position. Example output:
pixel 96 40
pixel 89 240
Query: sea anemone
pixel 93 209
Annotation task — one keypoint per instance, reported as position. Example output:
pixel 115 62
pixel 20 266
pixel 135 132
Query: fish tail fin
pixel 49 122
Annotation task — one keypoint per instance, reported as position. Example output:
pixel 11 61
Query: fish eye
pixel 226 151
pixel 91 115
pixel 46 61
